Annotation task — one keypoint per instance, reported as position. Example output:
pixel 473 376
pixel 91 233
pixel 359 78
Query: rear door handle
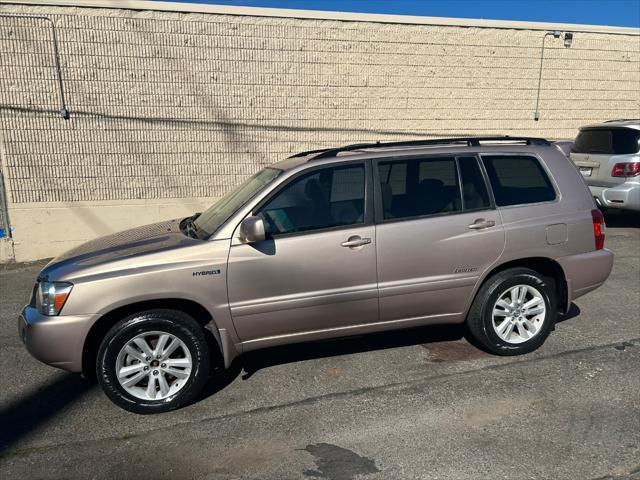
pixel 355 241
pixel 481 223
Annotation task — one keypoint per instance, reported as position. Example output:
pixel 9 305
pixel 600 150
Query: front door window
pixel 326 198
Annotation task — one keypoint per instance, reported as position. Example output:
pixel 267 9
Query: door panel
pixel 437 234
pixel 429 266
pixel 303 283
pixel 317 270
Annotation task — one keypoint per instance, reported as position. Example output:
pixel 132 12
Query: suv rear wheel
pixel 153 361
pixel 514 312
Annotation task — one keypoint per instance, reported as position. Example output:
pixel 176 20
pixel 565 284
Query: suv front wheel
pixel 153 361
pixel 513 312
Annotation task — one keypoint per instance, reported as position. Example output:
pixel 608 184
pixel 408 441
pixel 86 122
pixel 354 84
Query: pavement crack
pixel 631 474
pixel 623 346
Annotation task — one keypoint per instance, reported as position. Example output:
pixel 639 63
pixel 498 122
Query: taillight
pixel 630 169
pixel 599 228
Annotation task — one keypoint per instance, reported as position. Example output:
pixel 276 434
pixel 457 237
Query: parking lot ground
pixel 416 404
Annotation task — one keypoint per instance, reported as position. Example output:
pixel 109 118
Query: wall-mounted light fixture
pixel 568 40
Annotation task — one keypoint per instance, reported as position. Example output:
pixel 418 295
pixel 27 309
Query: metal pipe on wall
pixel 64 111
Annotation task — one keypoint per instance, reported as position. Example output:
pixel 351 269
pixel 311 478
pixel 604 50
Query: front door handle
pixel 481 223
pixel 355 241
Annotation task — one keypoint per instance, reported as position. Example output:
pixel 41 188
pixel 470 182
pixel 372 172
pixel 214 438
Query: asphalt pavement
pixel 417 404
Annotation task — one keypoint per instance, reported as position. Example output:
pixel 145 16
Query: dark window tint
pixel 419 187
pixel 395 175
pixel 441 169
pixel 474 190
pixel 517 180
pixel 609 141
pixel 322 199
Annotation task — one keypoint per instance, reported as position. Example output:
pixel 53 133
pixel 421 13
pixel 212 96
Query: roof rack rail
pixel 309 152
pixel 469 141
pixel 622 120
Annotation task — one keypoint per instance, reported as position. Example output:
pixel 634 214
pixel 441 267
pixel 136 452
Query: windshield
pixel 213 218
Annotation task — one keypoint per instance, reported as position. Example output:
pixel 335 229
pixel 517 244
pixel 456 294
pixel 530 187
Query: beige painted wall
pixel 170 110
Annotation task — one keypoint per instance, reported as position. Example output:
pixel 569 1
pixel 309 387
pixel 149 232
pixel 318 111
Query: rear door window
pixel 607 141
pixel 394 175
pixel 518 179
pixel 474 191
pixel 419 187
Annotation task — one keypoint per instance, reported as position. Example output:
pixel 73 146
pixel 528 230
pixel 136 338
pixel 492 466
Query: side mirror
pixel 252 230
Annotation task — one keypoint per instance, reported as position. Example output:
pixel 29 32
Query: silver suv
pixel 608 156
pixel 498 233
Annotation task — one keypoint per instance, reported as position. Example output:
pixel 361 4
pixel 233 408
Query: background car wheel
pixel 513 312
pixel 153 361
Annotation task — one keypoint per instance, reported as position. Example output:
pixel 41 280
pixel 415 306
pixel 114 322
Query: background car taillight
pixel 599 228
pixel 630 169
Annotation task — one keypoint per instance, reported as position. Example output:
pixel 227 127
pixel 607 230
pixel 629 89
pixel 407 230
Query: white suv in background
pixel 608 156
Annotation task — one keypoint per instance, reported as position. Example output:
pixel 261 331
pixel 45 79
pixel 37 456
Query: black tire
pixel 173 322
pixel 480 317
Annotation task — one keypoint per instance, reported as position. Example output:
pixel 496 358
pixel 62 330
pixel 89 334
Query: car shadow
pixel 33 409
pixel 574 311
pixel 621 219
pixel 255 361
pixel 441 341
pixel 252 362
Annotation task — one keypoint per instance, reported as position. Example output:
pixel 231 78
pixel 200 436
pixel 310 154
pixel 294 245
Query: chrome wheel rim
pixel 154 365
pixel 518 314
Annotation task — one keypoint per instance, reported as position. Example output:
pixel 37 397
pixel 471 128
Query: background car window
pixel 608 141
pixel 430 187
pixel 474 191
pixel 518 179
pixel 325 198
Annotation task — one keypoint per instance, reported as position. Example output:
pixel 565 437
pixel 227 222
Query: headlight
pixel 51 297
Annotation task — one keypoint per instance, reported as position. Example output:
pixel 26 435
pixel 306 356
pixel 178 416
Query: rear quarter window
pixel 607 141
pixel 518 180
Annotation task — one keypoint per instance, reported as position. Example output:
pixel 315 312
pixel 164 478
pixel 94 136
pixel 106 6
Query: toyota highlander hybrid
pixel 499 233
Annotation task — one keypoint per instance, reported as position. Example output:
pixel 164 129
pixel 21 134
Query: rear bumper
pixel 56 341
pixel 625 196
pixel 586 272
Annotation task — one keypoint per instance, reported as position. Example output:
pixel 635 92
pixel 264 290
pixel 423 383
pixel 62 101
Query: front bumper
pixel 586 271
pixel 57 341
pixel 625 196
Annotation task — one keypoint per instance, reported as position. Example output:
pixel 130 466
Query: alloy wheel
pixel 518 314
pixel 153 365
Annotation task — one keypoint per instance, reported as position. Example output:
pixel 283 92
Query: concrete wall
pixel 170 110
